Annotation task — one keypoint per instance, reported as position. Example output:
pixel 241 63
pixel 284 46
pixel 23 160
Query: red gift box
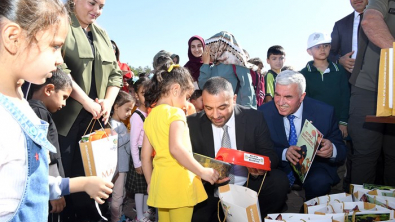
pixel 242 158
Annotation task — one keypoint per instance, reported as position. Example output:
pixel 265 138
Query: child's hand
pixel 139 170
pixel 57 205
pixel 98 188
pixel 210 175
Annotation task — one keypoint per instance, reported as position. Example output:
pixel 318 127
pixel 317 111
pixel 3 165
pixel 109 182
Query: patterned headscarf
pixel 225 49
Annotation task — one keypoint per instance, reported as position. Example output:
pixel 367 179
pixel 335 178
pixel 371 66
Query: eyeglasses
pixel 114 47
pixel 324 46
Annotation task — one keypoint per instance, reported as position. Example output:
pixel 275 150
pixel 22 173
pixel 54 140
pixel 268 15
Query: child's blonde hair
pixel 33 15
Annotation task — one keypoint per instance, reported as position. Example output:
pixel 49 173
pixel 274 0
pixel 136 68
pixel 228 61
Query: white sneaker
pixel 150 214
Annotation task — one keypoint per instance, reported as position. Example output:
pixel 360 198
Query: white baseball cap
pixel 318 38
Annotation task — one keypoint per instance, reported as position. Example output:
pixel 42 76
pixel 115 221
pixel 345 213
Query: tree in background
pixel 138 70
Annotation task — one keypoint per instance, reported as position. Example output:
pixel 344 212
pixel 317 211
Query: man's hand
pixel 226 179
pixel 293 155
pixel 347 62
pixel 57 205
pixel 326 150
pixel 255 172
pixel 344 131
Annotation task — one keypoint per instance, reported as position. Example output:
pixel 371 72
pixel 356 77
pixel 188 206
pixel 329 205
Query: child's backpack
pixel 258 82
pixel 259 85
pixel 140 114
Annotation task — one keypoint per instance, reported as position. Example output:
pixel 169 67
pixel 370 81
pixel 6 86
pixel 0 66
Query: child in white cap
pixel 325 80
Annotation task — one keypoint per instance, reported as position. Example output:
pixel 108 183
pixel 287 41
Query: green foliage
pixel 138 70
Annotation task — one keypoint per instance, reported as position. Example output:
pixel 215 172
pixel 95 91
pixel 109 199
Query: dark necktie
pixel 292 140
pixel 360 20
pixel 362 46
pixel 226 143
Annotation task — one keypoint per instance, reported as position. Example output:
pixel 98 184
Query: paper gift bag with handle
pixel 385 86
pixel 100 153
pixel 333 198
pixel 294 217
pixel 355 211
pixel 239 203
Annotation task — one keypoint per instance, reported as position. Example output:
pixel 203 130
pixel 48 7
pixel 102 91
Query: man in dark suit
pixel 344 48
pixel 290 100
pixel 247 131
pixel 344 43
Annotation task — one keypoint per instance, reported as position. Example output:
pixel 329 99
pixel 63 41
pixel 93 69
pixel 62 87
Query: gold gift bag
pixel 383 108
pixel 393 85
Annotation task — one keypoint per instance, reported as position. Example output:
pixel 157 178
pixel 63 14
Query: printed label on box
pixel 254 159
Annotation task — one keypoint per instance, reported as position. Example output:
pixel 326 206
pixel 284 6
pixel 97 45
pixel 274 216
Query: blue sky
pixel 142 28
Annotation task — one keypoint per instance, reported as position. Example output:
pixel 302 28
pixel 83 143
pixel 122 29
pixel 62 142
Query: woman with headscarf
pixel 89 56
pixel 195 51
pixel 230 62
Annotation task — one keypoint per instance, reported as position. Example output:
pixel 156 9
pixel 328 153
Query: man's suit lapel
pixel 240 125
pixel 207 136
pixel 308 112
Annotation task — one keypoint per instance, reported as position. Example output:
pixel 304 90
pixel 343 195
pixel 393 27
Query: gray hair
pixel 288 77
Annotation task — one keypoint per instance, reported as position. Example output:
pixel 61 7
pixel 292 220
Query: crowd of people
pixel 51 52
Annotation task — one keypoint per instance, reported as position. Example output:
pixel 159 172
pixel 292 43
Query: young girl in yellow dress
pixel 173 177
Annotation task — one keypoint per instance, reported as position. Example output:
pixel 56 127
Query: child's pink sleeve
pixel 136 138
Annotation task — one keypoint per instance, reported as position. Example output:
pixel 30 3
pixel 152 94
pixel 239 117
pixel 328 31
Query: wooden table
pixel 376 119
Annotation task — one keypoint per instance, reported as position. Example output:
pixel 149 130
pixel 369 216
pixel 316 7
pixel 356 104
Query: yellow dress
pixel 172 185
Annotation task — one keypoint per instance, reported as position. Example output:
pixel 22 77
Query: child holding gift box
pixel 173 170
pixel 31 35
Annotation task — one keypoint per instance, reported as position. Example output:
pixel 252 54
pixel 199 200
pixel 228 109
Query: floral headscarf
pixel 225 49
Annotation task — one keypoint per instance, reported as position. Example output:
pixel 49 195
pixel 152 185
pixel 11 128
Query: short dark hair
pixel 142 81
pixel 59 79
pixel 216 85
pixel 275 50
pixel 195 95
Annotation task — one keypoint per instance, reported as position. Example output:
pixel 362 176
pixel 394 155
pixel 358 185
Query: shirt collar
pixel 356 15
pixel 298 113
pixel 231 121
pixel 331 68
